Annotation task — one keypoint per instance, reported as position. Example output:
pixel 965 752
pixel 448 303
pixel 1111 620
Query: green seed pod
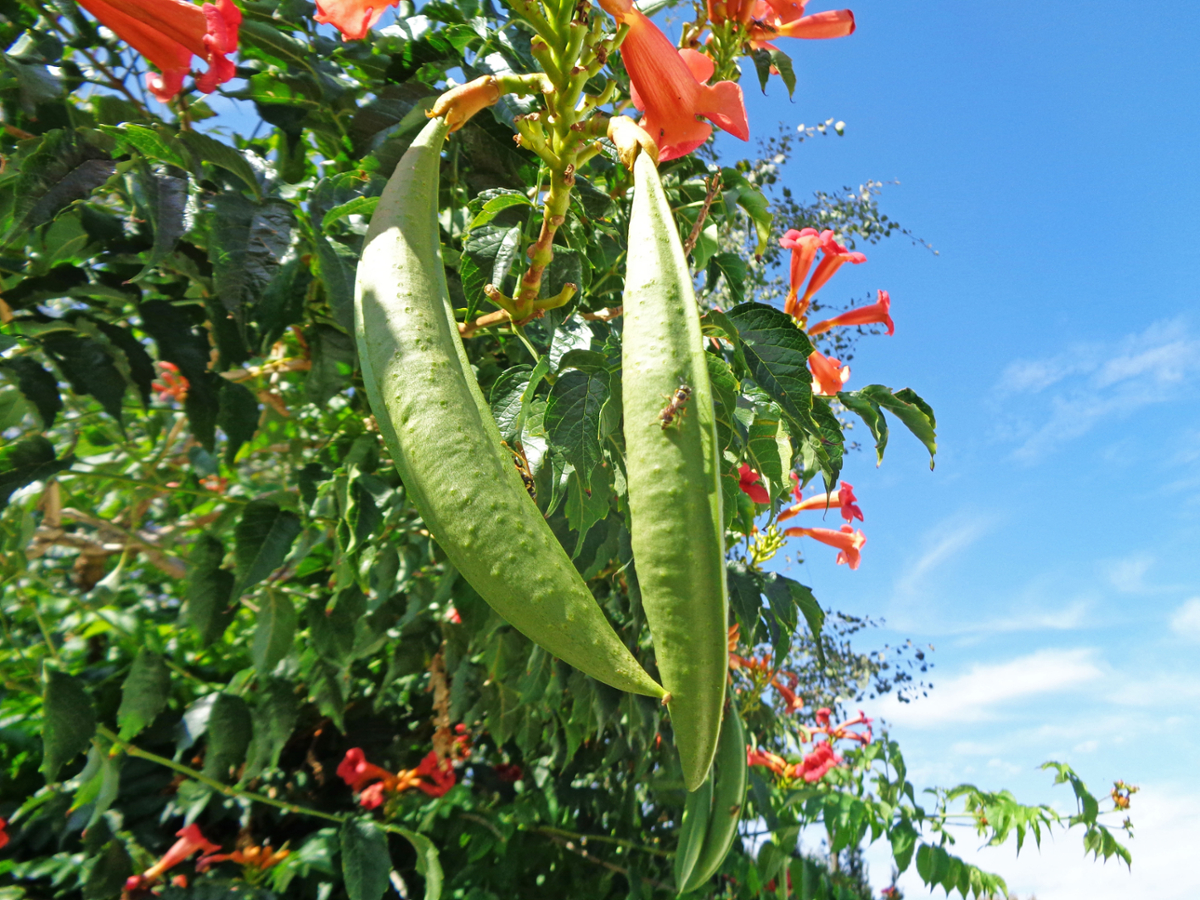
pixel 445 442
pixel 677 531
pixel 692 832
pixel 728 798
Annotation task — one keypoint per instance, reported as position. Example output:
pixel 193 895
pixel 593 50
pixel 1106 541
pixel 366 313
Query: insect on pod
pixel 675 406
pixel 446 444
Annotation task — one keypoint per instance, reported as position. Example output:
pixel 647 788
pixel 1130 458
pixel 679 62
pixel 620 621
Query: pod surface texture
pixel 677 531
pixel 445 443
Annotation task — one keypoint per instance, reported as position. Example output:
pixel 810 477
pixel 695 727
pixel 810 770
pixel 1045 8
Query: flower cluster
pixel 814 765
pixel 433 776
pixel 848 541
pixel 761 673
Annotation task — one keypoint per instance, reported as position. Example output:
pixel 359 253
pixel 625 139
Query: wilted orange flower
pixel 169 33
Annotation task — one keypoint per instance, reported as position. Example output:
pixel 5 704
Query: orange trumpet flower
pixel 878 313
pixel 829 375
pixel 169 33
pixel 353 18
pixel 669 86
pixel 848 541
pixel 842 498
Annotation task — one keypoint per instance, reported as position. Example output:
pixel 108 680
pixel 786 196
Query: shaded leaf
pixel 275 717
pixel 38 385
pixel 229 731
pixel 144 693
pixel 572 419
pixel 237 417
pixel 86 364
pixel 68 721
pixel 263 536
pixel 25 462
pixel 209 590
pixel 274 631
pixel 210 150
pixel 365 860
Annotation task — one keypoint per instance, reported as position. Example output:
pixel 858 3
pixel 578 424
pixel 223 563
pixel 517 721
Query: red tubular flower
pixel 751 483
pixel 261 858
pixel 190 842
pixel 169 33
pixel 439 772
pixel 353 18
pixel 804 245
pixel 878 313
pixel 817 763
pixel 509 772
pixel 792 702
pixel 358 773
pixel 669 86
pixel 3 834
pixel 843 497
pixel 756 757
pixel 828 374
pixel 848 541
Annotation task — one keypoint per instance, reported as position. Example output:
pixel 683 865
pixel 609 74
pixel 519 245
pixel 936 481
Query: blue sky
pixel 1049 152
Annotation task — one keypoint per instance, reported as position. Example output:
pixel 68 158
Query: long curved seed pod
pixel 445 442
pixel 692 831
pixel 677 530
pixel 729 796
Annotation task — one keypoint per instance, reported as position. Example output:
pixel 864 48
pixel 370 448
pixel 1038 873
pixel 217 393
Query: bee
pixel 522 465
pixel 675 406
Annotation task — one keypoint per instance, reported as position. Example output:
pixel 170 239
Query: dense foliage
pixel 222 616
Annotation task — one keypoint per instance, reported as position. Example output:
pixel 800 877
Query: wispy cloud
pixel 981 693
pixel 943 543
pixel 1129 575
pixel 1185 621
pixel 1090 383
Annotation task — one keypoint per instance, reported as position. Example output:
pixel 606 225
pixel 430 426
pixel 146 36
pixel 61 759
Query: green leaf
pixel 165 199
pixel 770 453
pixel 209 590
pixel 910 409
pixel 734 268
pixel 111 866
pixel 745 598
pixel 783 64
pixel 229 731
pixel 428 864
pixel 573 419
pixel 25 462
pixel 219 154
pixel 38 385
pixel 869 411
pixel 87 365
pixel 365 860
pixel 274 631
pixel 359 206
pixel 263 536
pixel 247 241
pixel 237 417
pixel 336 266
pixel 903 838
pixel 151 143
pixel 736 189
pixel 179 342
pixel 144 693
pixel 511 394
pixel 274 43
pixel 68 721
pixel 331 630
pixel 275 717
pixel 497 205
pixel 776 354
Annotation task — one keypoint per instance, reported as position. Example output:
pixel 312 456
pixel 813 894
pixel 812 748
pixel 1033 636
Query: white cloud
pixel 1096 382
pixel 1128 575
pixel 981 693
pixel 1186 620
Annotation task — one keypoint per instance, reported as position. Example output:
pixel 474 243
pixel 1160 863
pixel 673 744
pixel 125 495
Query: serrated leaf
pixel 332 630
pixel 25 462
pixel 210 150
pixel 275 717
pixel 229 730
pixel 237 417
pixel 111 866
pixel 572 419
pixel 365 860
pixel 263 536
pixel 783 64
pixel 144 693
pixel 179 342
pixel 86 364
pixel 209 590
pixel 737 189
pixel 872 416
pixel 336 268
pixel 68 721
pixel 165 198
pixel 776 354
pixel 903 838
pixel 247 241
pixel 274 631
pixel 150 143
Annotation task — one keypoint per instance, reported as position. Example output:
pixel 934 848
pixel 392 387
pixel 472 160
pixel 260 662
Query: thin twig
pixel 612 867
pixel 714 185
